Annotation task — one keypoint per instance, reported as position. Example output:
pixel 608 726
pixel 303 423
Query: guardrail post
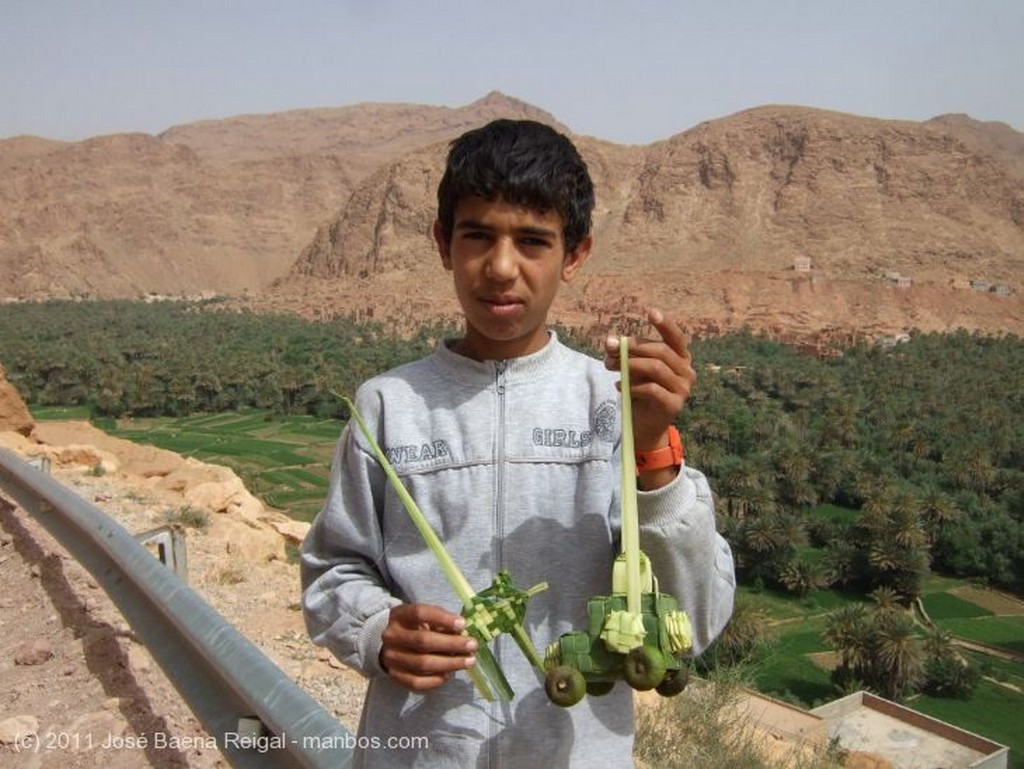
pixel 170 548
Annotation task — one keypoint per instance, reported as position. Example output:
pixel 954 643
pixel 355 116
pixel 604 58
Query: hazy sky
pixel 624 71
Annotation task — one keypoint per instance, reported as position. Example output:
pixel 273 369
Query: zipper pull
pixel 499 376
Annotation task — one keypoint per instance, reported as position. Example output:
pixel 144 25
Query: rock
pixel 99 726
pixel 16 442
pixel 228 496
pixel 131 458
pixel 33 652
pixel 14 415
pixel 246 541
pixel 78 454
pixel 292 530
pixel 139 659
pixel 17 728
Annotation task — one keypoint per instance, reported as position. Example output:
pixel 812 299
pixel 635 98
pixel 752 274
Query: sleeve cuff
pixel 370 642
pixel 668 503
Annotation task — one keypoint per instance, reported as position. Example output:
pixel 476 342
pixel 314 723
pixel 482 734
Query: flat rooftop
pixel 905 738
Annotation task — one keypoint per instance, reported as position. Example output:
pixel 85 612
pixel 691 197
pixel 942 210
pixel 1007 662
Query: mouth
pixel 502 305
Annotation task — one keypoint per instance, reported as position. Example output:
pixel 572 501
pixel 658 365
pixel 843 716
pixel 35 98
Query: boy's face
pixel 507 262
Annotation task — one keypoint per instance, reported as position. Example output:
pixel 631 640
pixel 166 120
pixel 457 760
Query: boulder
pixel 292 530
pixel 78 454
pixel 14 415
pixel 246 541
pixel 132 459
pixel 16 442
pixel 16 729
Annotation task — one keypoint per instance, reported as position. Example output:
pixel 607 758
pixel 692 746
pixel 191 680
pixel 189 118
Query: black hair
pixel 524 163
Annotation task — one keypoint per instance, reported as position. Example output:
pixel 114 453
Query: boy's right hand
pixel 423 645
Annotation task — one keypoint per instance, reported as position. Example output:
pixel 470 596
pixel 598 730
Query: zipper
pixel 499 460
pixel 494 758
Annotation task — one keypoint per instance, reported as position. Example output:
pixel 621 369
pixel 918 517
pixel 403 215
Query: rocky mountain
pixel 789 219
pixel 218 206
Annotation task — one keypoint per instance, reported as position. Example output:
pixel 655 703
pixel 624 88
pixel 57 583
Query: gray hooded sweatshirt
pixel 516 466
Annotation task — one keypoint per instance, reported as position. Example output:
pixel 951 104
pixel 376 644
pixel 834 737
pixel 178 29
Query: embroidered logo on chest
pixel 605 425
pixel 559 438
pixel 423 452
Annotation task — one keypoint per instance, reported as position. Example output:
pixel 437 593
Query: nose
pixel 503 261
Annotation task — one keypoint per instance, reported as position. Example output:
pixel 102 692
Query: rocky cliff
pixel 789 219
pixel 218 206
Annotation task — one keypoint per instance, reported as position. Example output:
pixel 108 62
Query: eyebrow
pixel 475 224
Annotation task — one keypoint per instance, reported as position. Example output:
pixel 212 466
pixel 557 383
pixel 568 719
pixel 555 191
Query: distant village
pixel 893 278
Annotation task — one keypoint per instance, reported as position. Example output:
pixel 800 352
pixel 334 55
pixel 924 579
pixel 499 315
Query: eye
pixel 535 241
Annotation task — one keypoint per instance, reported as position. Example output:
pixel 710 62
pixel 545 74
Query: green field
pixel 1004 632
pixel 993 712
pixel 835 513
pixel 285 461
pixel 946 606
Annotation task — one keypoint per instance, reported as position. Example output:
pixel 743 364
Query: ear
pixel 574 260
pixel 444 247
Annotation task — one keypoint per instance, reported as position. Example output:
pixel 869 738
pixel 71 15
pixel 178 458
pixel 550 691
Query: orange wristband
pixel 667 456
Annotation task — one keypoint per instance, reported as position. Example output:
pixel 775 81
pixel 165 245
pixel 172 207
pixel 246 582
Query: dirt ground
pixel 80 690
pixel 998 603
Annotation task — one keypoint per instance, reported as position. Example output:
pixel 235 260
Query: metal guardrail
pixel 259 717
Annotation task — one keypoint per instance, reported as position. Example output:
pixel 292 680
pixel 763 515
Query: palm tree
pixel 788 531
pixel 875 514
pixel 937 510
pixel 886 600
pixel 746 632
pixel 738 481
pixel 905 519
pixel 900 661
pixel 885 554
pixel 939 643
pixel 840 560
pixel 801 576
pixel 846 631
pixel 759 535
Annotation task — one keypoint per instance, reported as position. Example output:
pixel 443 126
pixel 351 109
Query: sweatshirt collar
pixel 523 369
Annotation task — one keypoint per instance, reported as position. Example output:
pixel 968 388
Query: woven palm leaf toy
pixel 636 634
pixel 497 609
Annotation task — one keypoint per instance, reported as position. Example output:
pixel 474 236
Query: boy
pixel 508 441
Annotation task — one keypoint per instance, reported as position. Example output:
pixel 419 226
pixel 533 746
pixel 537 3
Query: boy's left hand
pixel 661 376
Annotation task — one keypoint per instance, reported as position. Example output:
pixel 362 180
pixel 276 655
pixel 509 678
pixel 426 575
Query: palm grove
pixel 862 471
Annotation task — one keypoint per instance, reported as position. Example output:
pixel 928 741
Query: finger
pixel 425 641
pixel 673 349
pixel 670 332
pixel 661 365
pixel 419 681
pixel 669 402
pixel 414 664
pixel 418 615
pixel 416 683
